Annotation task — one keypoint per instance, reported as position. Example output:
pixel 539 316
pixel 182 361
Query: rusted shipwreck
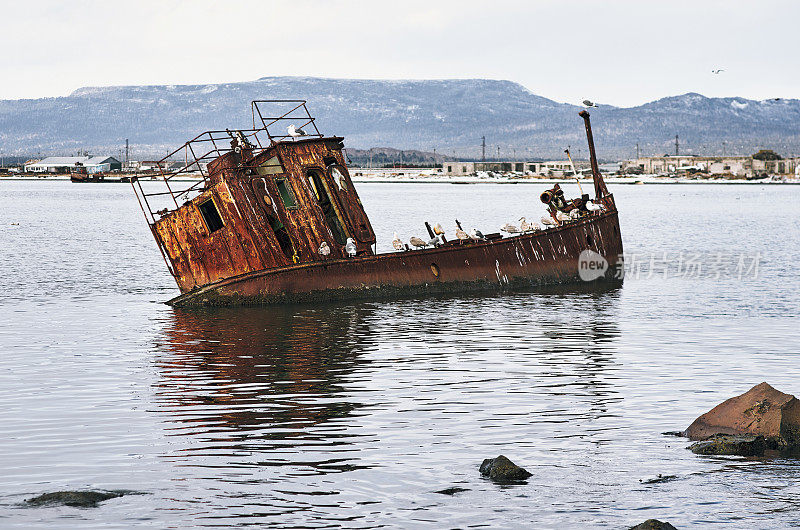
pixel 276 219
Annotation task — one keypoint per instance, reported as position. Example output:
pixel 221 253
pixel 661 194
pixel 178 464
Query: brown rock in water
pixel 77 499
pixel 501 469
pixel 653 524
pixel 727 444
pixel 762 410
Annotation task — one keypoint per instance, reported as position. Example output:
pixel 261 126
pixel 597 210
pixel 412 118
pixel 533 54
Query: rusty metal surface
pixel 538 258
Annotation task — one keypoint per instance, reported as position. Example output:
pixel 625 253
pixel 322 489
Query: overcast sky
pixel 618 52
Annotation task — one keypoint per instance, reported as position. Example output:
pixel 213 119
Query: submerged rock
pixel 451 491
pixel 79 499
pixel 762 410
pixel 653 524
pixel 726 444
pixel 501 469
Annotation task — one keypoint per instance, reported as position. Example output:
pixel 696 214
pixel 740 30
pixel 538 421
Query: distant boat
pixel 251 230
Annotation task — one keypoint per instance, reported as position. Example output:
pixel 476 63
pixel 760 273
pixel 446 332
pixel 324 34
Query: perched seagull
pixel 575 214
pixel 438 230
pixel 717 70
pixel 524 226
pixel 417 242
pixel 350 247
pixel 324 249
pixel 592 207
pixel 511 229
pixel 435 241
pixel 561 216
pixel 548 221
pixel 294 132
pixel 396 243
pixel 460 234
pixel 476 234
pixel 535 226
pixel 589 103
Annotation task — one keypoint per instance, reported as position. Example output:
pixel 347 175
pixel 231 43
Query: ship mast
pixel 599 184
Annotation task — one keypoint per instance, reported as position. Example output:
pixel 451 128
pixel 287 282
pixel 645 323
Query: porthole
pixel 435 269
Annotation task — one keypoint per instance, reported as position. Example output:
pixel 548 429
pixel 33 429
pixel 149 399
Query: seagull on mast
pixel 294 132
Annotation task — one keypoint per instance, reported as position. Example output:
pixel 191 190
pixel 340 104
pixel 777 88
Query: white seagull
pixel 548 221
pixel 438 230
pixel 561 216
pixel 350 247
pixel 460 234
pixel 397 243
pixel 524 225
pixel 417 242
pixel 324 249
pixel 511 229
pixel 294 132
pixel 592 207
pixel 476 234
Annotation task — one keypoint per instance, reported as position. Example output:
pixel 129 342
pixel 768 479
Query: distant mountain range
pixel 449 115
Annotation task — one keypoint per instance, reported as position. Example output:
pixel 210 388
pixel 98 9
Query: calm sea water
pixel 355 414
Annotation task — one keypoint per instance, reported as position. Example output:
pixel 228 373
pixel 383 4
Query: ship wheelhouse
pixel 266 200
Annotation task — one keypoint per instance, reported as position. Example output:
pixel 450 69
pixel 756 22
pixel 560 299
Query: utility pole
pixel 483 149
pixel 637 150
pixel 676 145
pixel 498 153
pixel 127 160
pixel 723 148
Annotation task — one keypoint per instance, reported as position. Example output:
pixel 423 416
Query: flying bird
pixel 324 249
pixel 397 243
pixel 350 247
pixel 717 70
pixel 417 242
pixel 589 103
pixel 294 132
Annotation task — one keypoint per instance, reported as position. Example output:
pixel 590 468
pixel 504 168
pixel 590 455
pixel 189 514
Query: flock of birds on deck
pixel 524 227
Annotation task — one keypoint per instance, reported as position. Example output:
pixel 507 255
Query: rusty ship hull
pixel 277 218
pixel 538 258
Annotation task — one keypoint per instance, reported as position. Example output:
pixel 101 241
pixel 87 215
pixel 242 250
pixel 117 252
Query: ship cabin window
pixel 210 214
pixel 286 193
pixel 338 177
pixel 271 166
pixel 320 190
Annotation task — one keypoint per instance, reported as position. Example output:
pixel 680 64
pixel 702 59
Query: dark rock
pixel 80 499
pixel 725 444
pixel 653 524
pixel 660 478
pixel 762 410
pixel 451 491
pixel 674 433
pixel 501 469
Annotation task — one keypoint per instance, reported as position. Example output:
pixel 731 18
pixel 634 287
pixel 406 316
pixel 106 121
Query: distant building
pixel 739 166
pixel 66 164
pixel 548 169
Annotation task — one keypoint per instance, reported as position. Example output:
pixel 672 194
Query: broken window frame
pixel 215 223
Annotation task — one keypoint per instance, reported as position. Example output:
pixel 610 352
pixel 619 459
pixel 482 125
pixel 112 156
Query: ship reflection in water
pixel 403 396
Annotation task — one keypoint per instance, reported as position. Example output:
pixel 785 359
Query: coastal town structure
pixel 553 168
pixel 737 166
pixel 67 164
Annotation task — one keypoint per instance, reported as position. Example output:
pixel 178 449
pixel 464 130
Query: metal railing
pixel 188 164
